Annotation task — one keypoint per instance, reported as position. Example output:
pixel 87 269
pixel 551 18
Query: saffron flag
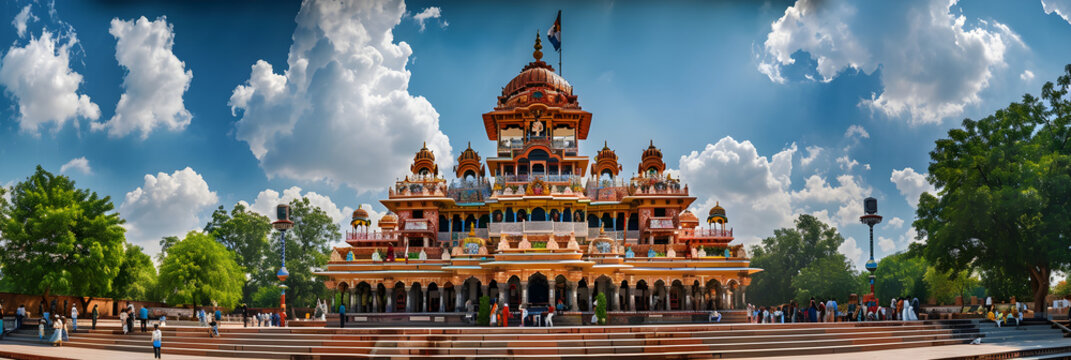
pixel 554 35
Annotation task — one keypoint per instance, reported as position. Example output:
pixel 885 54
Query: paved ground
pixel 937 352
pixel 70 352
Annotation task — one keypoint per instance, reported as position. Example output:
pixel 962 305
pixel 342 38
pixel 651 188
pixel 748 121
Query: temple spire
pixel 538 54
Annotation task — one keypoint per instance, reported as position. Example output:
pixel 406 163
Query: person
pixel 157 341
pixel 1000 318
pixel 282 318
pixel 201 317
pixel 550 315
pixel 341 315
pixel 95 314
pixel 57 332
pixel 20 316
pixel 505 314
pixel 130 315
pixel 989 303
pixel 524 314
pixel 991 316
pixel 812 311
pixel 915 307
pixel 66 324
pixel 832 307
pixel 821 311
pixel 122 320
pixel 47 315
pixel 163 320
pixel 715 316
pixel 74 317
pixel 494 313
pixel 213 328
pixel 219 315
pixel 41 329
pixel 143 315
pixel 561 305
pixel 245 316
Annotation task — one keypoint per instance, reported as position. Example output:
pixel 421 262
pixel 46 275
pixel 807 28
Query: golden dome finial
pixel 425 146
pixel 538 54
pixel 472 230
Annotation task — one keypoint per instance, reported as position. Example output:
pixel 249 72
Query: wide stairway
pixel 683 341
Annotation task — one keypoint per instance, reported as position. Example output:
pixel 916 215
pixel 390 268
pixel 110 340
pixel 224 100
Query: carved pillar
pixel 524 293
pixel 550 293
pixel 614 300
pixel 459 306
pixel 630 294
pixel 702 297
pixel 665 296
pixel 503 294
pixel 408 299
pixel 573 306
pixel 375 300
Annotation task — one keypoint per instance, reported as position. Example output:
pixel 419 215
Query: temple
pixel 538 224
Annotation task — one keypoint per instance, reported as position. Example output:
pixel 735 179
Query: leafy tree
pixel 785 254
pixel 1004 190
pixel 829 277
pixel 165 244
pixel 198 270
pixel 901 275
pixel 1062 289
pixel 945 286
pixel 245 233
pixel 137 276
pixel 59 239
pixel 307 246
pixel 266 297
pixel 1003 285
pixel 600 309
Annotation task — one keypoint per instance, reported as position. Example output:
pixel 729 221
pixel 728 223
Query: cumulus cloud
pixel 895 223
pixel 429 13
pixel 734 173
pixel 911 184
pixel 38 76
pixel 1027 75
pixel 22 18
pixel 1062 8
pixel 856 130
pixel 846 163
pixel 79 164
pixel 155 79
pixel 266 201
pixel 943 69
pixel 886 244
pixel 165 205
pixel 812 154
pixel 845 197
pixel 341 112
pixel 851 249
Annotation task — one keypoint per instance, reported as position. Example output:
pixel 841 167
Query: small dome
pixel 388 218
pixel 606 153
pixel 424 153
pixel 652 151
pixel 360 217
pixel 717 214
pixel 468 154
pixel 687 217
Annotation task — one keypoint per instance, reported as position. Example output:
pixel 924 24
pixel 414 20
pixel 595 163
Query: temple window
pixel 660 212
pixel 418 214
pixel 538 169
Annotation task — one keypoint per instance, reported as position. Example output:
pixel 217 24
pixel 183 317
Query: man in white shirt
pixel 74 317
pixel 989 303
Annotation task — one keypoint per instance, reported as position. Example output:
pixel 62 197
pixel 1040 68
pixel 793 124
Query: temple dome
pixel 388 218
pixel 717 214
pixel 537 74
pixel 688 218
pixel 468 154
pixel 424 153
pixel 360 217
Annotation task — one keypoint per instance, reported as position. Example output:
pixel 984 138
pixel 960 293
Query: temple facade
pixel 538 224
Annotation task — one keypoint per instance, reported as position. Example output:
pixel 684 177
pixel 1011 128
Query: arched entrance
pixel 416 296
pixel 660 296
pixel 712 297
pixel 343 295
pixel 492 292
pixel 602 286
pixel 559 291
pixel 434 297
pixel 381 297
pixel 538 290
pixel 622 296
pixel 449 297
pixel 538 214
pixel 642 296
pixel 399 298
pixel 364 297
pixel 583 295
pixel 676 296
pixel 513 286
pixel 471 290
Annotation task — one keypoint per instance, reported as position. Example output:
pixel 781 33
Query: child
pixel 122 319
pixel 41 329
pixel 157 340
pixel 213 328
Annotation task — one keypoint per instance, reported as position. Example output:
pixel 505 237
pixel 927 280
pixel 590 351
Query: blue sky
pixel 772 108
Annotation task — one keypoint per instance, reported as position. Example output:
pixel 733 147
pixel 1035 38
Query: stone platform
pixel 690 341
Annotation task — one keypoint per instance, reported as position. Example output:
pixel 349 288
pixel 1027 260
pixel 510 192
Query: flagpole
pixel 561 48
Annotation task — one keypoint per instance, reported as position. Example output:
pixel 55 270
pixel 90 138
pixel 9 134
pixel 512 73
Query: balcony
pixel 661 223
pixel 472 191
pixel 537 227
pixel 416 225
pixel 657 185
pixel 718 233
pixel 376 236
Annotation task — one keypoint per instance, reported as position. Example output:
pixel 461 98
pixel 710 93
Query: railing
pixel 537 227
pixel 458 235
pixel 529 177
pixel 700 232
pixel 661 223
pixel 594 232
pixel 657 185
pixel 417 225
pixel 371 236
pixel 469 191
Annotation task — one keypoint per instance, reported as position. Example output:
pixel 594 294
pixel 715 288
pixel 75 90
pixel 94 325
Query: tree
pixel 785 254
pixel 266 297
pixel 826 278
pixel 245 233
pixel 165 244
pixel 600 308
pixel 1003 285
pixel 59 239
pixel 198 270
pixel 945 286
pixel 1004 190
pixel 137 276
pixel 483 317
pixel 306 248
pixel 901 275
pixel 1062 289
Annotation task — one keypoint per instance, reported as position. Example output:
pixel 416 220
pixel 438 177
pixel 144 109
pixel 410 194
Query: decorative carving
pixel 524 245
pixel 670 253
pixel 573 245
pixel 335 256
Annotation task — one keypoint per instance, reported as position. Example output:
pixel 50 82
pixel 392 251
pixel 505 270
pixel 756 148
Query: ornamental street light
pixel 871 218
pixel 282 223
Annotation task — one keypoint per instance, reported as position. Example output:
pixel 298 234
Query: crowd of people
pixel 819 310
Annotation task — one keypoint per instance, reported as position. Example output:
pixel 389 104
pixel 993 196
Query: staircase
pixel 685 341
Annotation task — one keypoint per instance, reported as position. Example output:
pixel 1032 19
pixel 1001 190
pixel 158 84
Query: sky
pixel 773 109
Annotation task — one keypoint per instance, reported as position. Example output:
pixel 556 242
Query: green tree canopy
pixel 830 277
pixel 59 239
pixel 199 270
pixel 901 275
pixel 1004 189
pixel 945 286
pixel 784 255
pixel 245 233
pixel 137 276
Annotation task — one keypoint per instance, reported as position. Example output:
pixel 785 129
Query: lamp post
pixel 282 223
pixel 871 218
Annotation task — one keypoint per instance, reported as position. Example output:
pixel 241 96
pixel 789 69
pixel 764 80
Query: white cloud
pixel 1027 75
pixel 79 164
pixel 268 199
pixel 752 188
pixel 1062 8
pixel 943 67
pixel 895 223
pixel 846 198
pixel 850 248
pixel 165 205
pixel 39 77
pixel 812 154
pixel 343 99
pixel 911 184
pixel 847 163
pixel 886 244
pixel 429 13
pixel 856 130
pixel 155 79
pixel 24 16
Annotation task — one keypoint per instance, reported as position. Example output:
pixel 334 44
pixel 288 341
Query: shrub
pixel 600 310
pixel 484 316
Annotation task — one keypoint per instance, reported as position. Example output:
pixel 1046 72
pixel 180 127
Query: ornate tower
pixel 651 164
pixel 468 164
pixel 424 163
pixel 606 162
